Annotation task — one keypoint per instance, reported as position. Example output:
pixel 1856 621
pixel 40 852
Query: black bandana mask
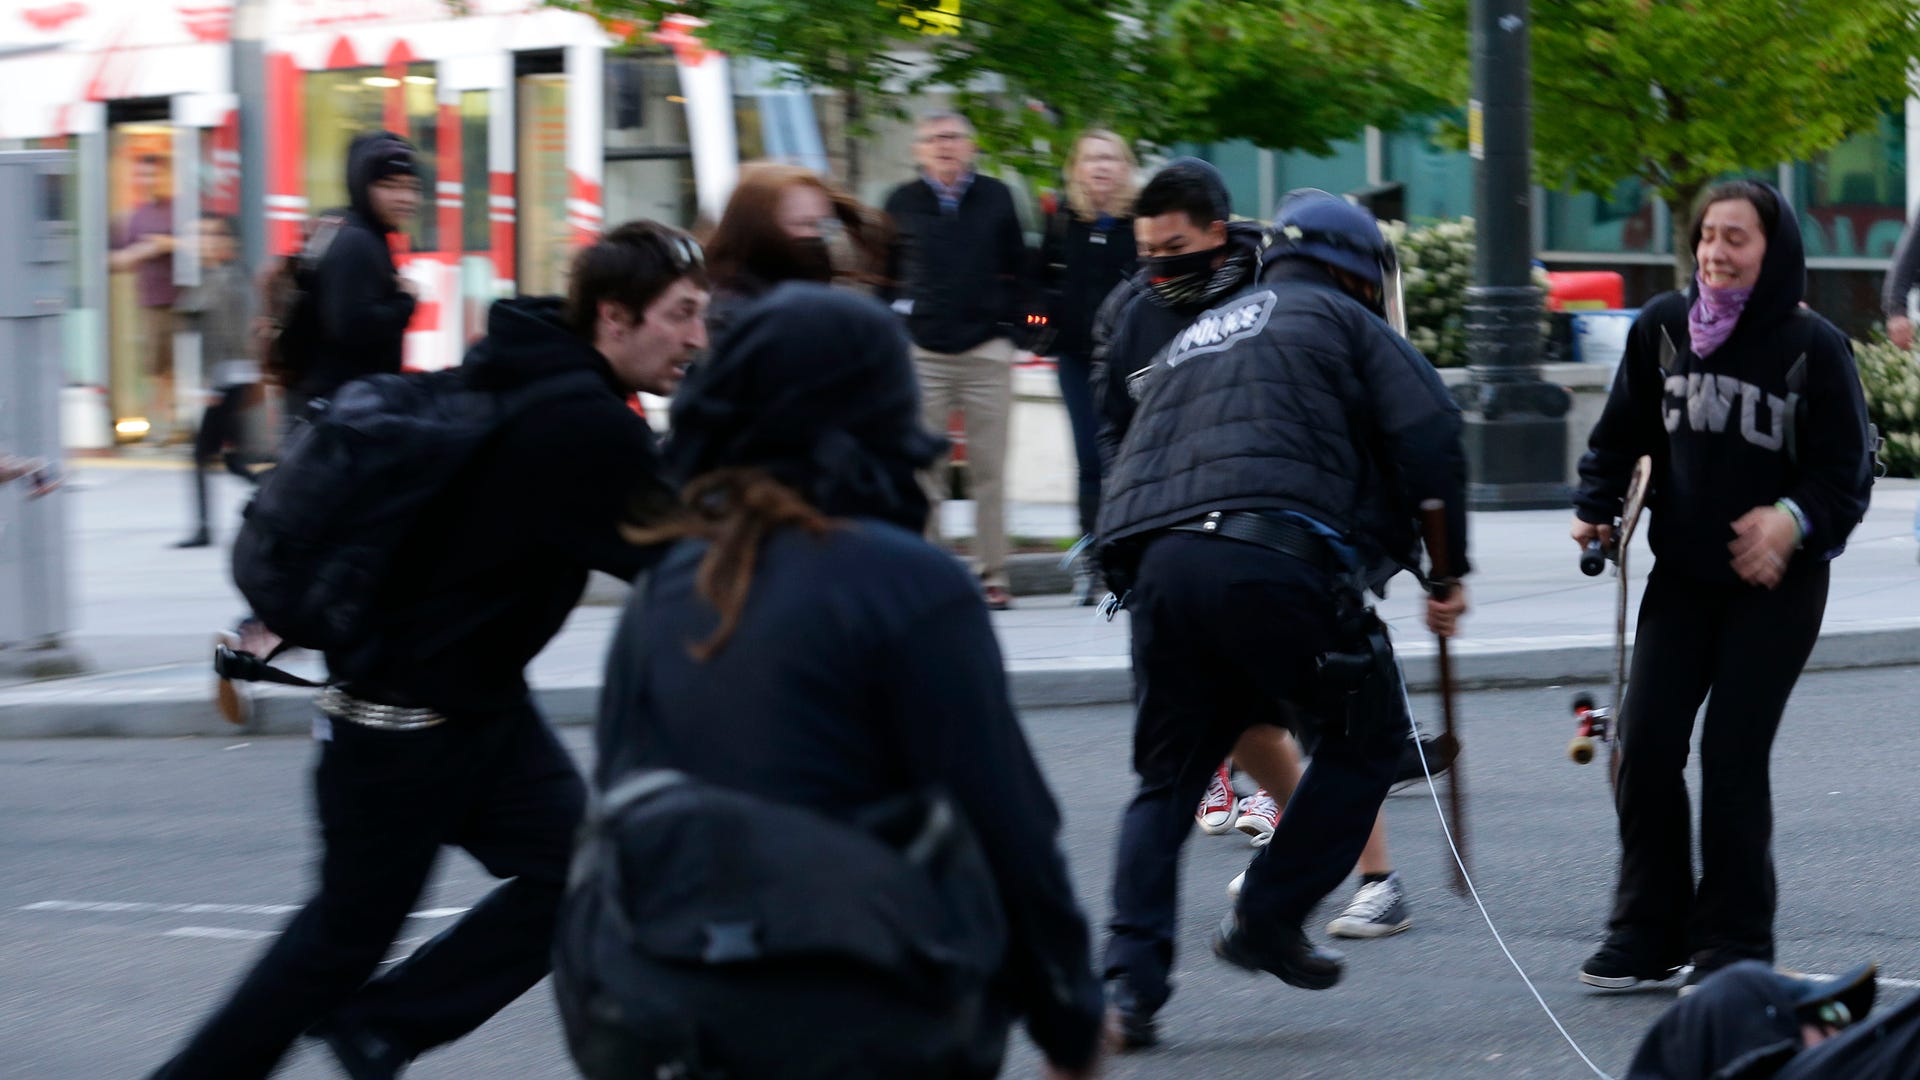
pixel 1191 279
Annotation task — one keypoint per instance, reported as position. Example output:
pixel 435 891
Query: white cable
pixel 1447 831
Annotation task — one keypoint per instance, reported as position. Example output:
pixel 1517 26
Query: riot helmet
pixel 1318 225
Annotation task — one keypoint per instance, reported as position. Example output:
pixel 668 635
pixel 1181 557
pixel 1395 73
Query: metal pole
pixel 250 85
pixel 1515 424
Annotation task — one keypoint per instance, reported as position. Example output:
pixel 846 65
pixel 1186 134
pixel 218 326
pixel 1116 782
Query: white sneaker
pixel 1233 887
pixel 1219 808
pixel 1379 909
pixel 1259 814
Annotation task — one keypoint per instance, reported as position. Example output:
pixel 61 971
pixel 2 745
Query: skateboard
pixel 1598 723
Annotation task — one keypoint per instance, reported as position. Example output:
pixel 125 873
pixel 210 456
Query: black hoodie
pixel 502 557
pixel 363 311
pixel 1133 328
pixel 1719 428
pixel 864 665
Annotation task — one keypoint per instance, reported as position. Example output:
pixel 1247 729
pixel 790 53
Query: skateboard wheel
pixel 1580 750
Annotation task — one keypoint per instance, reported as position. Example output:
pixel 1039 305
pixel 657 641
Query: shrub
pixel 1891 380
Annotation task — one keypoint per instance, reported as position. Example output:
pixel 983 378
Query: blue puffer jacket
pixel 1292 396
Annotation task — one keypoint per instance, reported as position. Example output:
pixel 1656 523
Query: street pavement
pixel 144 613
pixel 143 874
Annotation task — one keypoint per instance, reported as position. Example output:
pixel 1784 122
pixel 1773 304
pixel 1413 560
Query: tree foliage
pixel 1284 74
pixel 1680 93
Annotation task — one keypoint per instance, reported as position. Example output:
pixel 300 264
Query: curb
pixel 107 706
pixel 1028 574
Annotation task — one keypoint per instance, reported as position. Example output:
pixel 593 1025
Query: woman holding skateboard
pixel 1750 408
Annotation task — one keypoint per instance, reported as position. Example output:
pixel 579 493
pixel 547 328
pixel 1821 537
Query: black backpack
pixel 802 948
pixel 292 324
pixel 352 482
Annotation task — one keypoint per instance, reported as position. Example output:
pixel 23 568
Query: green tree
pixel 1285 74
pixel 1681 93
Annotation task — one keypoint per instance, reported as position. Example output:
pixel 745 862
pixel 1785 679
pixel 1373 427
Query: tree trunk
pixel 851 133
pixel 1680 211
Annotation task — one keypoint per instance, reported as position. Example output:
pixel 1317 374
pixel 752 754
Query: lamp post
pixel 1515 423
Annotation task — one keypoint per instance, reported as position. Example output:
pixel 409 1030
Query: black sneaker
pixel 361 1053
pixel 1614 968
pixel 1137 1029
pixel 1440 751
pixel 1294 960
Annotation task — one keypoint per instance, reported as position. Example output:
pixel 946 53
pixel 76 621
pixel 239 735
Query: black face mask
pixel 1186 267
pixel 1191 279
pixel 812 258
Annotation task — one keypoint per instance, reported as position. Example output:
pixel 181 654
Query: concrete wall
pixel 1041 468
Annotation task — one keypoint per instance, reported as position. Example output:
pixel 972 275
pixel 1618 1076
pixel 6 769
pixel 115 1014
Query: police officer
pixel 1281 450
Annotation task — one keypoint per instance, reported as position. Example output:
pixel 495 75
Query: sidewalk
pixel 145 614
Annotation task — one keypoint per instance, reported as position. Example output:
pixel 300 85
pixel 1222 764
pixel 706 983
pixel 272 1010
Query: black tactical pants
pixel 500 786
pixel 1223 633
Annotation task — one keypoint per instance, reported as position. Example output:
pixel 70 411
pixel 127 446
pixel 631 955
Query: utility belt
pixel 1358 680
pixel 340 705
pixel 1273 532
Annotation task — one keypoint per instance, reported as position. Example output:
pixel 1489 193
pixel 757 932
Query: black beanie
pixel 816 386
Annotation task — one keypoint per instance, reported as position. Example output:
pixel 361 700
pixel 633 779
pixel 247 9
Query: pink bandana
pixel 1711 319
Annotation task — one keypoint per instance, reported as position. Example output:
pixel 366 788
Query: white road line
pixel 132 907
pixel 1882 981
pixel 219 933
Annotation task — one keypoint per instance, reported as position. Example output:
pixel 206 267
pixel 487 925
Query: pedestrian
pixel 432 738
pixel 1896 293
pixel 787 223
pixel 362 302
pixel 1086 252
pixel 1751 409
pixel 1193 255
pixel 802 642
pixel 220 308
pixel 1895 297
pixel 143 245
pixel 956 275
pixel 1280 453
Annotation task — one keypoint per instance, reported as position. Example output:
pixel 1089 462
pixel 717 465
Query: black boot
pixel 202 537
pixel 1292 958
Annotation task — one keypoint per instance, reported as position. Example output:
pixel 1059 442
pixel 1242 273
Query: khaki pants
pixel 978 383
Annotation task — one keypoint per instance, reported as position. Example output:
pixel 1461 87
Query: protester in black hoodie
pixel 363 303
pixel 436 740
pixel 802 641
pixel 1751 409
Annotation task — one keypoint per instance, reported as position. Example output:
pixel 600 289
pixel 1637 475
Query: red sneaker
pixel 1219 808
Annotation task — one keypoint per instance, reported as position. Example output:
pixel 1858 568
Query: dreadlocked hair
pixel 734 511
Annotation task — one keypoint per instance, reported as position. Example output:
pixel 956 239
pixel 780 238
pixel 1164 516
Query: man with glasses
pixel 429 735
pixel 955 275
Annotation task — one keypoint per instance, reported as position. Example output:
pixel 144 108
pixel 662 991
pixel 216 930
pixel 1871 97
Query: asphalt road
pixel 138 877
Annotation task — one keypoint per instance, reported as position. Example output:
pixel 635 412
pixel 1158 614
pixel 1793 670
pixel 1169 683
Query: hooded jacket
pixel 1738 428
pixel 864 666
pixel 1133 328
pixel 363 311
pixel 502 557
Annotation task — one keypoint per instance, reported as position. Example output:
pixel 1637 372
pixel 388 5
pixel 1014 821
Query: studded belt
pixel 340 705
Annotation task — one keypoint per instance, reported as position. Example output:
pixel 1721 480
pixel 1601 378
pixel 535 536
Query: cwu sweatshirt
pixel 1776 412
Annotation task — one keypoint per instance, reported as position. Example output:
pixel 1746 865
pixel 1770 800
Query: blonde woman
pixel 1089 248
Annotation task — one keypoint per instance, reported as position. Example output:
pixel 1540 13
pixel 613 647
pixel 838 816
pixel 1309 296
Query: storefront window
pixel 476 177
pixel 1438 181
pixel 645 108
pixel 545 240
pixel 1851 199
pixel 345 104
pixel 1621 223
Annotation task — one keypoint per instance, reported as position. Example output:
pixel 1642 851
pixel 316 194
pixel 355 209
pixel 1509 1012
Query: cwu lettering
pixel 1707 403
